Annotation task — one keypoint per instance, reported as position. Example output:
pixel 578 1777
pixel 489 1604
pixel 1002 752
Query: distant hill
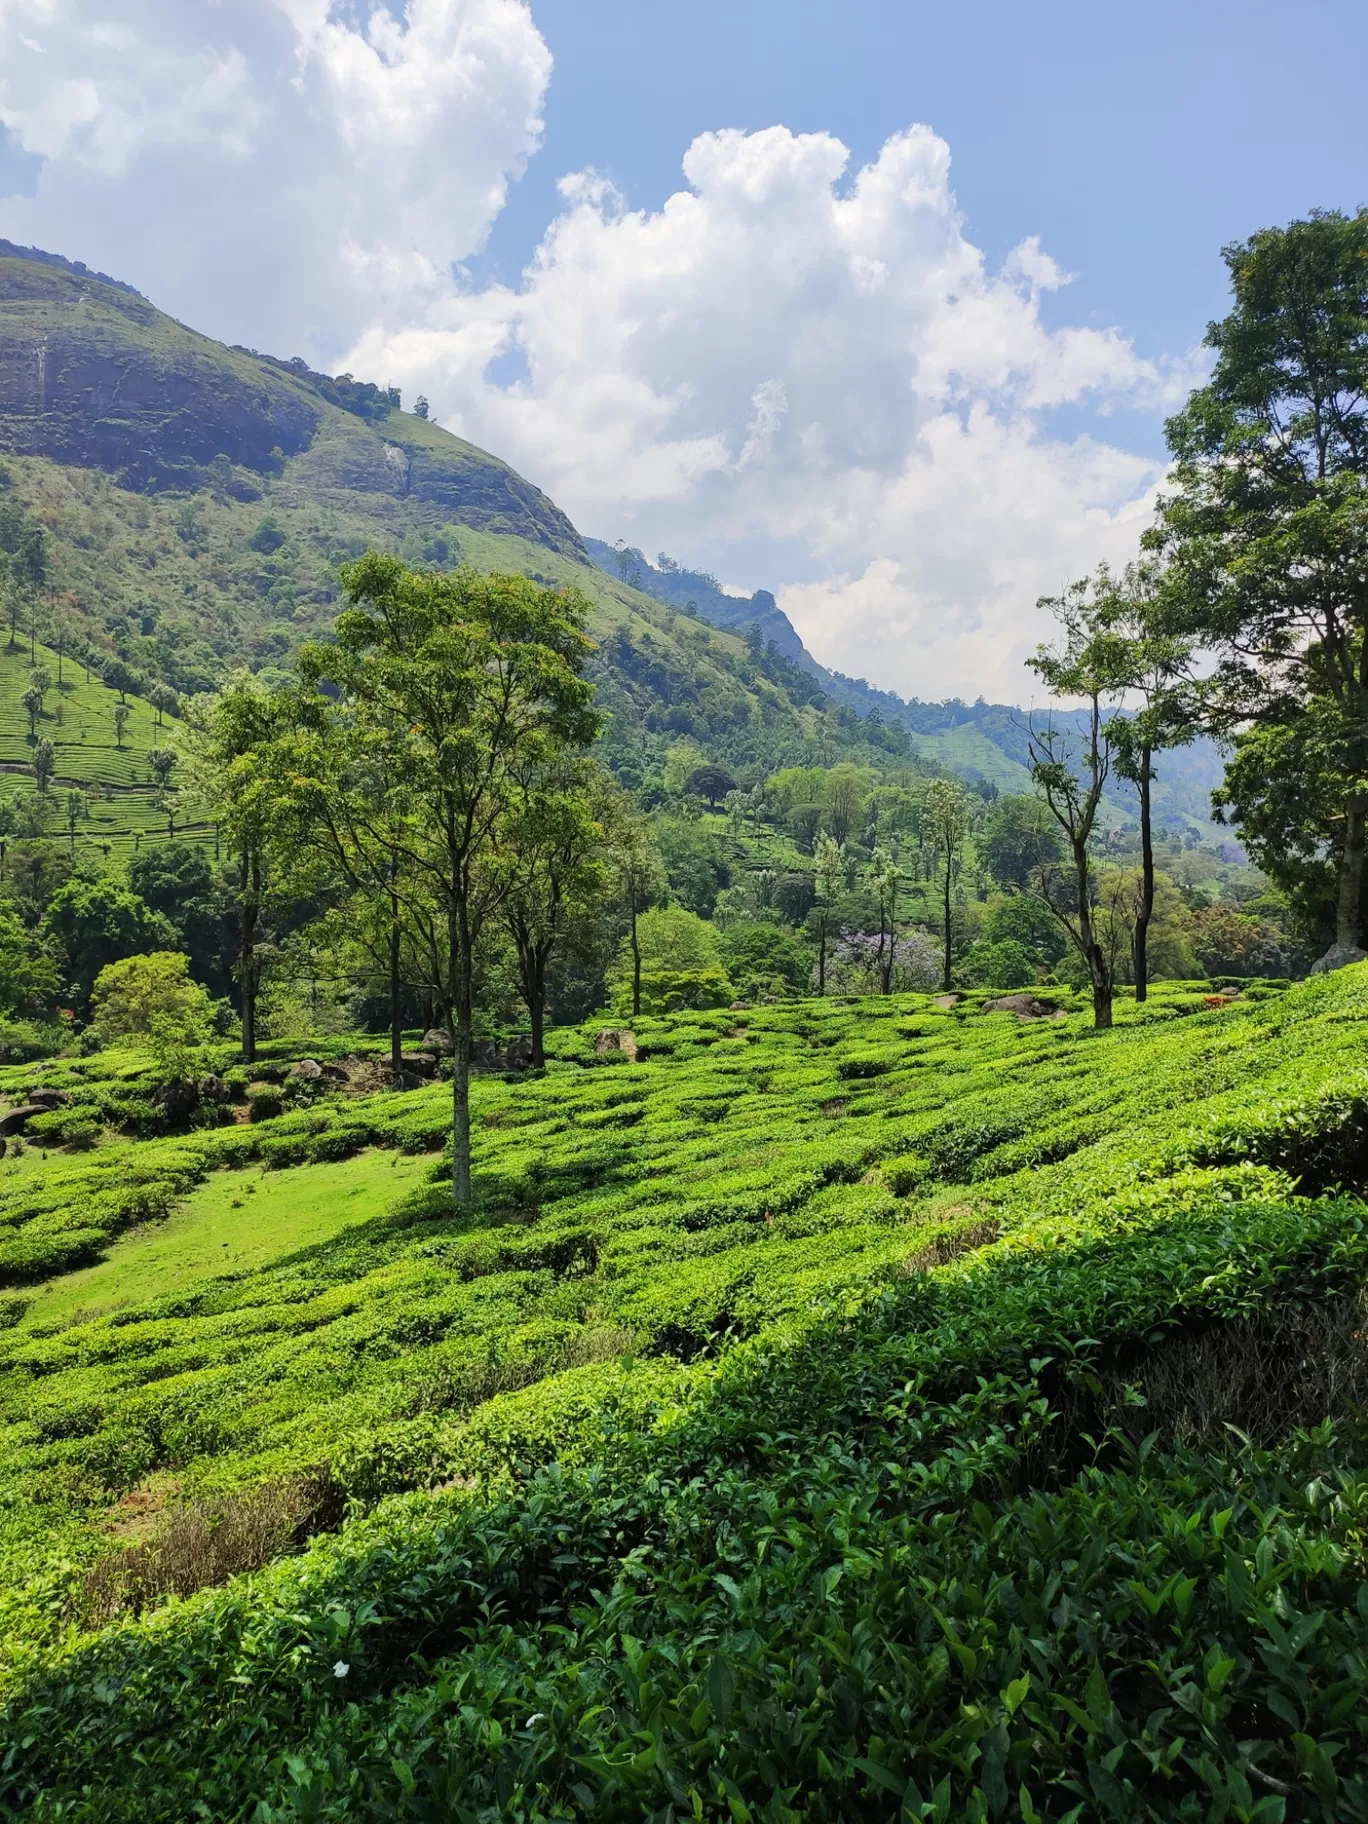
pixel 979 741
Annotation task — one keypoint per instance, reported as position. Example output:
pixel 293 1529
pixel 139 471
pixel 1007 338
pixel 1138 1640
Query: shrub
pixel 264 1101
pixel 154 1000
pixel 1005 964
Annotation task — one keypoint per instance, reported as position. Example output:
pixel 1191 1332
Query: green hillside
pixel 197 501
pixel 122 802
pixel 872 1409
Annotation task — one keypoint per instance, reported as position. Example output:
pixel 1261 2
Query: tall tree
pixel 884 878
pixel 1266 520
pixel 641 882
pixel 1154 664
pixel 230 763
pixel 829 873
pixel 554 849
pixel 452 683
pixel 946 821
pixel 1071 768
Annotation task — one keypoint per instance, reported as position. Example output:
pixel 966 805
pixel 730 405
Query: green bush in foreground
pixel 849 1410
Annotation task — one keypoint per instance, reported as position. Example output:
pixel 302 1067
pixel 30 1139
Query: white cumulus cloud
pixel 803 376
pixel 270 170
pixel 814 380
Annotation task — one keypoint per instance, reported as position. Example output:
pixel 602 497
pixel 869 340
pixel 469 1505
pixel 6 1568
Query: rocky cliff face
pixel 94 376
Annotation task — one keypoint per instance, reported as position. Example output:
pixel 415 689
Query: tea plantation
pixel 880 1410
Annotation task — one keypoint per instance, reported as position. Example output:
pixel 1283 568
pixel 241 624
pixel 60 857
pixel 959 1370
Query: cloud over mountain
pixel 802 376
pixel 275 171
pixel 822 372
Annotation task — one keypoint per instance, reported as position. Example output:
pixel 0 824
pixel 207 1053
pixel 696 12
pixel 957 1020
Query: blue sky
pixel 838 358
pixel 1136 139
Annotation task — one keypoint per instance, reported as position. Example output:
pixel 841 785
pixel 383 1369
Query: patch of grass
pixel 235 1222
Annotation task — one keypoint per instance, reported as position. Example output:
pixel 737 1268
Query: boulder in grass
pixel 307 1070
pixel 947 1001
pixel 417 1063
pixel 518 1055
pixel 1338 956
pixel 215 1088
pixel 46 1097
pixel 1024 1006
pixel 437 1040
pixel 14 1119
pixel 614 1038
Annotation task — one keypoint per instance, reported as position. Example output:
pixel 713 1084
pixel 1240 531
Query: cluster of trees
pixel 1247 616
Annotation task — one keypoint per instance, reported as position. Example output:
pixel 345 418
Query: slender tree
pixel 640 883
pixel 231 762
pixel 946 821
pixel 1071 770
pixel 554 848
pixel 884 877
pixel 452 683
pixel 829 873
pixel 43 762
pixel 1156 667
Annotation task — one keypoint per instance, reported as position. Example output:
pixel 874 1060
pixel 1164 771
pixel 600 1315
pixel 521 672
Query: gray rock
pixel 48 1098
pixel 437 1040
pixel 616 1039
pixel 12 1121
pixel 180 1098
pixel 214 1089
pixel 308 1070
pixel 418 1063
pixel 519 1053
pixel 1338 956
pixel 1025 1006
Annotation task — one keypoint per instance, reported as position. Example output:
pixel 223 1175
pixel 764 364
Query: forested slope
pixel 195 503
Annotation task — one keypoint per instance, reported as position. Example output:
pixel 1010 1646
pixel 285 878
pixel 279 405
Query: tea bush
pixel 801 1425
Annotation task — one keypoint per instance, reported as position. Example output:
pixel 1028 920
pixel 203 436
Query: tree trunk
pixel 1140 942
pixel 1096 962
pixel 396 1014
pixel 636 967
pixel 249 907
pixel 821 954
pixel 945 974
pixel 459 1027
pixel 535 995
pixel 1348 914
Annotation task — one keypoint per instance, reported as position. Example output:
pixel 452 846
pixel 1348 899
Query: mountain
pixel 978 741
pixel 195 502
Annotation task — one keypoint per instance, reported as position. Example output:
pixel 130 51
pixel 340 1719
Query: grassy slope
pixel 745 1169
pixel 78 720
pixel 234 1223
pixel 211 601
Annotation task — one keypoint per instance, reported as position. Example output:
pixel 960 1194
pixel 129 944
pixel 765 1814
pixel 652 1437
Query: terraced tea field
pixel 121 808
pixel 869 1409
